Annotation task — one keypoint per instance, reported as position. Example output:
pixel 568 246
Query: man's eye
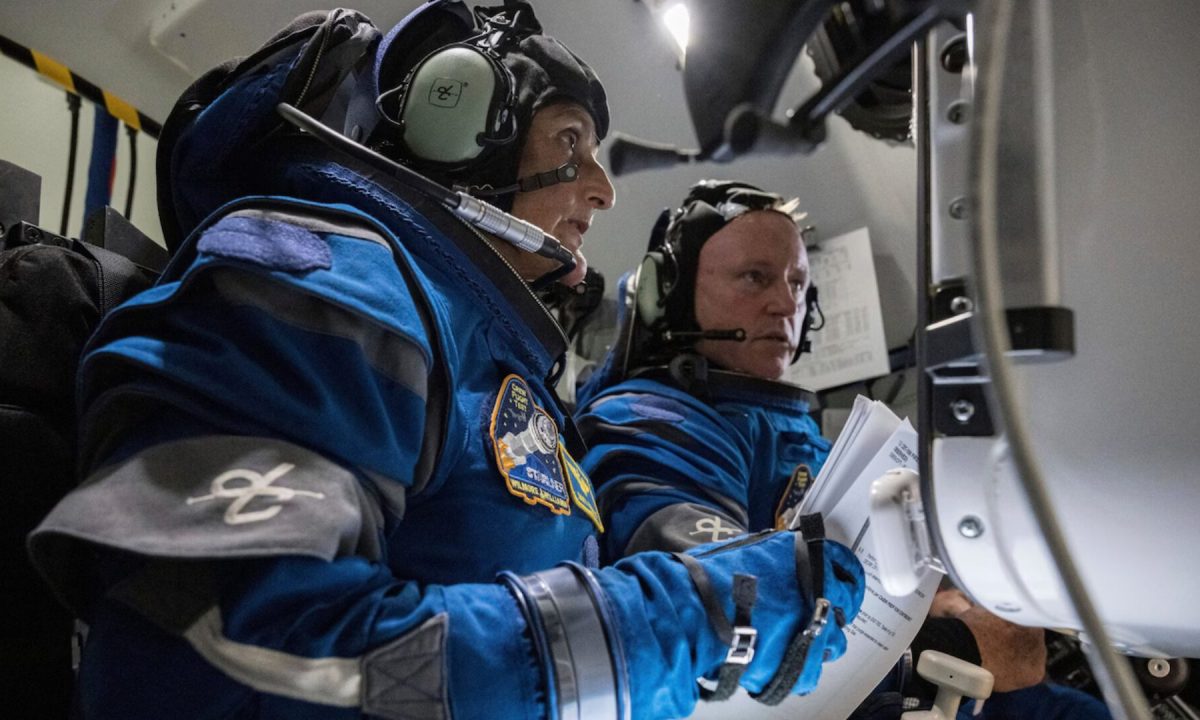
pixel 754 276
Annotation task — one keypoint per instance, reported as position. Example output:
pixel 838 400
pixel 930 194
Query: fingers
pixel 950 603
pixel 1016 655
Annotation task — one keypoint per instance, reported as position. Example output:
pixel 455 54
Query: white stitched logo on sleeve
pixel 259 484
pixel 713 526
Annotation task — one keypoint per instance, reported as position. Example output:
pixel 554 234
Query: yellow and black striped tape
pixel 64 76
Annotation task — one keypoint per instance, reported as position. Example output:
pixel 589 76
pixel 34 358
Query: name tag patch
pixel 525 440
pixel 792 495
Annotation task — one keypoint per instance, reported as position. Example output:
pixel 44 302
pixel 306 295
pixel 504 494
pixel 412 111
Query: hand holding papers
pixel 868 429
pixel 873 442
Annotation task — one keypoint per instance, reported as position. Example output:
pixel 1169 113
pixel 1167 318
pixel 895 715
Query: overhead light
pixel 675 18
pixel 672 16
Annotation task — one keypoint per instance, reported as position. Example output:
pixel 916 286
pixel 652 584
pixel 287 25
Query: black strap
pixel 740 637
pixel 712 606
pixel 738 386
pixel 567 172
pixel 114 272
pixel 810 564
pixel 812 528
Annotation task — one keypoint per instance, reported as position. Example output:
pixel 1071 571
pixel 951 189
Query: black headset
pixel 657 276
pixel 656 310
pixel 457 103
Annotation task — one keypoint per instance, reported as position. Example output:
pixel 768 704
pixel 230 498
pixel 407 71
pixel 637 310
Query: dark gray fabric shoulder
pixel 593 428
pixel 210 497
pixel 610 495
pixel 434 385
pixel 406 679
pixel 682 526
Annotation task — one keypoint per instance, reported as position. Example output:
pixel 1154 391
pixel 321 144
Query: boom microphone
pixel 738 335
pixel 483 215
pixel 567 172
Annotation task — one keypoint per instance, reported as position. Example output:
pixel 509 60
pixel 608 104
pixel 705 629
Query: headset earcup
pixel 649 294
pixel 449 105
pixel 811 309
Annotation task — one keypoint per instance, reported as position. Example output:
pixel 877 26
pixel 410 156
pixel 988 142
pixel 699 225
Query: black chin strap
pixel 567 172
pixel 545 281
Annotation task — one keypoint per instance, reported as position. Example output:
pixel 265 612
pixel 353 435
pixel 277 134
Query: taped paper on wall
pixel 852 345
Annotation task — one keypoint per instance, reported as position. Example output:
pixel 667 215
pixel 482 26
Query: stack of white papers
pixel 869 427
pixel 873 441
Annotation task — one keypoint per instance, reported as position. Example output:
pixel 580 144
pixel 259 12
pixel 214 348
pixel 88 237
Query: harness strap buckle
pixel 741 650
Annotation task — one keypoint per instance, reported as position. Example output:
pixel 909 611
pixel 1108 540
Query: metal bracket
pixel 961 410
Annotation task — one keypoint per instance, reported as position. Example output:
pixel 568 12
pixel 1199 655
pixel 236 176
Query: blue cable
pixel 100 168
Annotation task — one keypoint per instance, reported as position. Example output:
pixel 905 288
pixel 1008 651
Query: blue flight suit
pixel 310 329
pixel 1044 701
pixel 309 450
pixel 672 470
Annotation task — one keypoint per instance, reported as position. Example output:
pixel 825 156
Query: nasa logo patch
pixel 525 440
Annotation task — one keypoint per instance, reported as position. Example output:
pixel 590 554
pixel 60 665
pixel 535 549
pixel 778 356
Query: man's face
pixel 753 274
pixel 558 133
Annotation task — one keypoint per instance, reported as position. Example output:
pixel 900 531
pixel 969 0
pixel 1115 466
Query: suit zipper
pixel 532 294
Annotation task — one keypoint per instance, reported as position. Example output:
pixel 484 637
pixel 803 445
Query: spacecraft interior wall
pixel 1113 426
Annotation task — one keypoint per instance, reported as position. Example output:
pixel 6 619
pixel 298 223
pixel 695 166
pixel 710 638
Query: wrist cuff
pixel 577 644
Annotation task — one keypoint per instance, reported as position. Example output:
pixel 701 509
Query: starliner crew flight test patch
pixel 525 439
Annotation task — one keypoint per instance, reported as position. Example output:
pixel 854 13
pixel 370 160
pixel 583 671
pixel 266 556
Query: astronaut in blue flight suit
pixel 324 471
pixel 692 438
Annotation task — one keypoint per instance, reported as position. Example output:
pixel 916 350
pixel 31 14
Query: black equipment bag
pixel 53 292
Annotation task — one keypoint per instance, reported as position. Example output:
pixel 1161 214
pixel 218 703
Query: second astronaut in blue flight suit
pixel 698 442
pixel 324 471
pixel 692 437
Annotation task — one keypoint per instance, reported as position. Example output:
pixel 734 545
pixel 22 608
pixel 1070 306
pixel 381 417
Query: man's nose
pixel 783 300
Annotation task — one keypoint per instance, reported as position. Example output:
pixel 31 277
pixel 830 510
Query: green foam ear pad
pixel 447 104
pixel 649 289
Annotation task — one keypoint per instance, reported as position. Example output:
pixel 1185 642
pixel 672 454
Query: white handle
pixel 896 517
pixel 954 678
